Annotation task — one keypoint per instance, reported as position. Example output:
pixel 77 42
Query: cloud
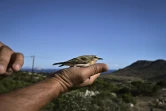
pixel 115 66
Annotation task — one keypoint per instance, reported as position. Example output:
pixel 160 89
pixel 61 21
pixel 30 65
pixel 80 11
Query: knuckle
pixel 5 48
pixel 95 69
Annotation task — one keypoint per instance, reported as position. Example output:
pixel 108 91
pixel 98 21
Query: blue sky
pixel 119 31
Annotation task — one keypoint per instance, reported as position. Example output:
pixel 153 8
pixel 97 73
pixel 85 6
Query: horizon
pixel 120 32
pixel 54 70
pixel 59 68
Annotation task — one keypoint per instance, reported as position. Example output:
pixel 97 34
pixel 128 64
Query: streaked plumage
pixel 84 60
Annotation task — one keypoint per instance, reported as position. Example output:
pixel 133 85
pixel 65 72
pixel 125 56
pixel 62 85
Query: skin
pixel 9 60
pixel 36 96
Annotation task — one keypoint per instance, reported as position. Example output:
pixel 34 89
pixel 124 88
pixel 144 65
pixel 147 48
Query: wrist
pixel 55 85
pixel 62 84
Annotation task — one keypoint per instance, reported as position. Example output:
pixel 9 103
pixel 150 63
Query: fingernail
pixel 1 67
pixel 17 66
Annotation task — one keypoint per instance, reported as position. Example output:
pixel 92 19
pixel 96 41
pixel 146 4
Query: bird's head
pixel 97 58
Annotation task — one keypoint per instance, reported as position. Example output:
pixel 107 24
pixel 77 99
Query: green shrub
pixel 123 90
pixel 144 88
pixel 102 85
pixel 128 98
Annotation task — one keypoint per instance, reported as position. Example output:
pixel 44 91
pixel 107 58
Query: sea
pixel 54 70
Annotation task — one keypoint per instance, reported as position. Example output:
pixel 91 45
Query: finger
pixel 90 81
pixel 5 55
pixel 95 69
pixel 17 61
pixel 93 78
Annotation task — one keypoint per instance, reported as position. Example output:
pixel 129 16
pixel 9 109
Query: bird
pixel 80 61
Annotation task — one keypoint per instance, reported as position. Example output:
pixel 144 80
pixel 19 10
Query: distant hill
pixel 144 69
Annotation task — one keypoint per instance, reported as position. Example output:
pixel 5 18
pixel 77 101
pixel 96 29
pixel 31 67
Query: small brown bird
pixel 80 61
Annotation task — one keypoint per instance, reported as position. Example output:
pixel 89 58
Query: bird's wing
pixel 79 60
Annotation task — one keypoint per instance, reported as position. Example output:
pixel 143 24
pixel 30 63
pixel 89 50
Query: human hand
pixel 75 77
pixel 9 60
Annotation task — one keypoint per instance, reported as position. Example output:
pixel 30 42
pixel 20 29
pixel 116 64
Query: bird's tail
pixel 58 63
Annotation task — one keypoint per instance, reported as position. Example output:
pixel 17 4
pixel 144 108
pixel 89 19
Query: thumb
pixel 95 69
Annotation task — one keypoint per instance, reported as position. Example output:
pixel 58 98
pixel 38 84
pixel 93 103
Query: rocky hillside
pixel 144 69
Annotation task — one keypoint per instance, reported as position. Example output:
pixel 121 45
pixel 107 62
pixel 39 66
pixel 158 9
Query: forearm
pixel 31 98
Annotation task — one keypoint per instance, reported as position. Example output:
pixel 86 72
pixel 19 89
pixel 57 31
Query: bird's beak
pixel 100 58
